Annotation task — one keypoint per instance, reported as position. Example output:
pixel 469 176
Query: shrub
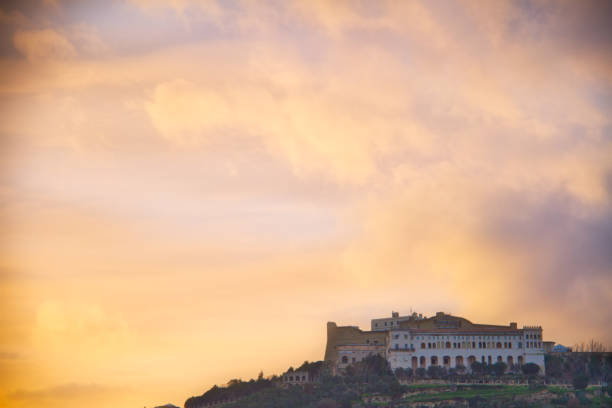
pixel 530 369
pixel 477 368
pixel 499 368
pixel 580 382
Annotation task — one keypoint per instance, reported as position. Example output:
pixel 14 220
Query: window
pixel 344 361
pixel 422 345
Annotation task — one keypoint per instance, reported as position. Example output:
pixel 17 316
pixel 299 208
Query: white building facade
pixel 458 343
pixel 444 340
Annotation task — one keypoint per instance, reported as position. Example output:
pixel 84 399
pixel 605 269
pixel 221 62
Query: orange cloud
pixel 42 44
pixel 183 178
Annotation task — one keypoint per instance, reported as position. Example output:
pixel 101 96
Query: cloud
pixel 174 170
pixel 63 392
pixel 9 355
pixel 13 17
pixel 58 322
pixel 309 131
pixel 43 44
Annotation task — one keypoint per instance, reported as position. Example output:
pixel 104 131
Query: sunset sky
pixel 190 190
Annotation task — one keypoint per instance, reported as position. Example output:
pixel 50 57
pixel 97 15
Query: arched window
pixel 510 361
pixel 448 345
pixel 520 360
pixel 499 345
pixel 422 360
pixel 344 359
pixel 422 345
pixel 446 360
pixel 434 360
pixel 500 359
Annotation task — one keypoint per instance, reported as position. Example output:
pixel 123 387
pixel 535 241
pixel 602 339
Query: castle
pixel 443 340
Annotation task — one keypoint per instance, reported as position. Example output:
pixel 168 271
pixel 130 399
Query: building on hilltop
pixel 296 378
pixel 387 323
pixel 441 340
pixel 349 344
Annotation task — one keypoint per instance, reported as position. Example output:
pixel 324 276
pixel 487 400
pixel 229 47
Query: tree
pixel 499 368
pixel 327 403
pixel 460 369
pixel 554 366
pixel 477 367
pixel 530 369
pixel 399 373
pixel 420 372
pixel 435 371
pixel 592 346
pixel 580 382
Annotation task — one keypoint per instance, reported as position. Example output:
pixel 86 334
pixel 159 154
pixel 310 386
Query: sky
pixel 190 190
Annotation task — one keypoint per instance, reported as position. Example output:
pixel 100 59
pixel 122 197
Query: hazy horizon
pixel 191 190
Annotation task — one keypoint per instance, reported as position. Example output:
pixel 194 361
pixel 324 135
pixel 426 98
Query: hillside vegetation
pixel 371 383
